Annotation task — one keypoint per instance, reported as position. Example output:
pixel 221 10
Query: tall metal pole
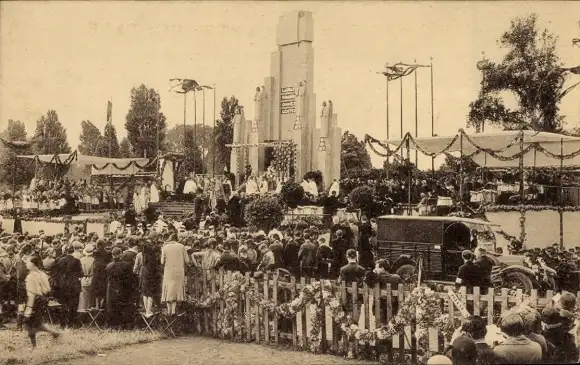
pixel 184 119
pixel 409 173
pixel 432 117
pixel 214 130
pixel 401 90
pixel 416 118
pixel 483 87
pixel 195 131
pixel 387 112
pixel 561 210
pixel 203 162
pixel 110 137
pixel 461 171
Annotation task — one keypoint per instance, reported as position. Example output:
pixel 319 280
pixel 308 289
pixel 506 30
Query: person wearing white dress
pixel 313 188
pixel 305 185
pixel 190 187
pixel 335 186
pixel 154 195
pixel 263 185
pixel 252 186
pixel 145 196
pixel 137 204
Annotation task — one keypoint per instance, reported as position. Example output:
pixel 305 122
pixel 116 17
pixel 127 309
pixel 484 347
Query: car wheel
pixel 406 272
pixel 518 280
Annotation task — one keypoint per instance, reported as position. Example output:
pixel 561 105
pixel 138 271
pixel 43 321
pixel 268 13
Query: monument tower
pixel 285 107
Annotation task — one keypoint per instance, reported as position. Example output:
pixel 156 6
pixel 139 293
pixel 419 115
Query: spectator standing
pixel 517 348
pixel 70 272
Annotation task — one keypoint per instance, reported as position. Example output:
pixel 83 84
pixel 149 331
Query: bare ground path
pixel 207 351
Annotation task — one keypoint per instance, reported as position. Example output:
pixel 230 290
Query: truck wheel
pixel 406 272
pixel 519 280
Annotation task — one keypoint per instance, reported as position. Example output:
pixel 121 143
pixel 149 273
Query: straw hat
pixel 89 249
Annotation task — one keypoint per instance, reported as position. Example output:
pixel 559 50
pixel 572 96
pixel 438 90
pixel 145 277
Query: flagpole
pixel 416 119
pixel 401 90
pixel 387 107
pixel 184 120
pixel 432 117
pixel 203 167
pixel 214 130
pixel 195 131
pixel 110 121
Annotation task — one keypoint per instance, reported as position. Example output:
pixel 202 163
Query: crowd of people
pixel 527 336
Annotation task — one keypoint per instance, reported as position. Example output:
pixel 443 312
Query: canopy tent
pixel 99 165
pixel 493 149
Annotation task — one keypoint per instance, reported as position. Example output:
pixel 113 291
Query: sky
pixel 73 57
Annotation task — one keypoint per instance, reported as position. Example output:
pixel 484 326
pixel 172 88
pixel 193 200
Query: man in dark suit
pixel 307 257
pixel 324 259
pixel 352 271
pixel 228 260
pixel 291 257
pixel 278 250
pixel 69 271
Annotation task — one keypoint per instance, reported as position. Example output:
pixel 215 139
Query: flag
pixel 183 86
pixel 109 111
pixel 399 70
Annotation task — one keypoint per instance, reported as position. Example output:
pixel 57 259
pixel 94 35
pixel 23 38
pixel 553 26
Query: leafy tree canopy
pixel 353 154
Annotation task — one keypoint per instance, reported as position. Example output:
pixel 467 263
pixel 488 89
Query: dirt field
pixel 207 351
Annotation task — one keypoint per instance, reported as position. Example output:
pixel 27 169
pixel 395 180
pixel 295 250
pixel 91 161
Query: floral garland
pixel 533 208
pixel 422 309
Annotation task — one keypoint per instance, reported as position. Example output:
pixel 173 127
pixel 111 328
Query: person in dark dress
pixel 99 282
pixel 365 258
pixel 70 271
pixel 119 286
pixel 339 247
pixel 17 222
pixel 150 276
pixel 235 210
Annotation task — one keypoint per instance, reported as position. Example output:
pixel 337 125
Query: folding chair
pixel 170 322
pixel 93 315
pixel 49 311
pixel 149 321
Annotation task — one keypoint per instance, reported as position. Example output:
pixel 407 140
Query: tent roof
pixel 505 143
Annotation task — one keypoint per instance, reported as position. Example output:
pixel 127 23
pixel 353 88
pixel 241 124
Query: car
pixel 439 242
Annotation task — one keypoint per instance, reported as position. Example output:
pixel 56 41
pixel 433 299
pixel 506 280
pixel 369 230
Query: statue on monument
pixel 324 118
pixel 300 101
pixel 259 98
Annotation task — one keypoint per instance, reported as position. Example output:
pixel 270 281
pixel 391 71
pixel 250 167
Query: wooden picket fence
pixel 261 326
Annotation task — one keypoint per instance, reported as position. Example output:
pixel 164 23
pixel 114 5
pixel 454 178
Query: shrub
pixel 362 198
pixel 292 193
pixel 264 213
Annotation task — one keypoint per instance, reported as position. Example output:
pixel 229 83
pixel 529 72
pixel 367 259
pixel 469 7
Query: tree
pixel 143 121
pixel 50 135
pixel 224 133
pixel 110 138
pixel 125 148
pixel 362 198
pixel 89 138
pixel 15 170
pixel 530 70
pixel 292 193
pixel 353 155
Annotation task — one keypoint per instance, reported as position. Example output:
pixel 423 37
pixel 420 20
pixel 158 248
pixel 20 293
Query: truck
pixel 438 242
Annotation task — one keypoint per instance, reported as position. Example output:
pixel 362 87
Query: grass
pixel 15 346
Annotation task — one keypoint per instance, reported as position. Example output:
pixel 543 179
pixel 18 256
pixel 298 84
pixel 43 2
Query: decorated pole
pixel 408 148
pixel 214 130
pixel 401 90
pixel 184 120
pixel 203 129
pixel 194 132
pixel 387 112
pixel 522 192
pixel 432 117
pixel 561 208
pixel 416 119
pixel 461 170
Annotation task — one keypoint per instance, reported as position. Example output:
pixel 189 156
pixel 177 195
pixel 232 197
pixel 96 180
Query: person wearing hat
pixel 469 274
pixel 87 263
pixel 564 350
pixel 463 351
pixel 517 348
pixel 78 249
pixel 119 291
pixel 69 272
pixel 4 283
pixel 98 289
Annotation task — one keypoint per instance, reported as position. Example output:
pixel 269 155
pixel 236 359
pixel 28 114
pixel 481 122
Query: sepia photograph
pixel 289 182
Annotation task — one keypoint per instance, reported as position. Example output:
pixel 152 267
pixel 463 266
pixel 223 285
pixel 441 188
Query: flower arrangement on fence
pixel 422 308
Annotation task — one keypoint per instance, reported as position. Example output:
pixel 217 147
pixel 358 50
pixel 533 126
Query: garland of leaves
pixel 534 208
pixel 422 308
pixel 130 164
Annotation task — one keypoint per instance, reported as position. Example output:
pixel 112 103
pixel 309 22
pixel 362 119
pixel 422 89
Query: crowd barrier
pixel 251 322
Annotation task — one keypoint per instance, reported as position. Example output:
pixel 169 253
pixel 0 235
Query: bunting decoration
pixel 16 144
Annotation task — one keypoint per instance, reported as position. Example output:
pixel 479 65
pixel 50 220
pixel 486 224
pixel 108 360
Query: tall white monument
pixel 285 106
